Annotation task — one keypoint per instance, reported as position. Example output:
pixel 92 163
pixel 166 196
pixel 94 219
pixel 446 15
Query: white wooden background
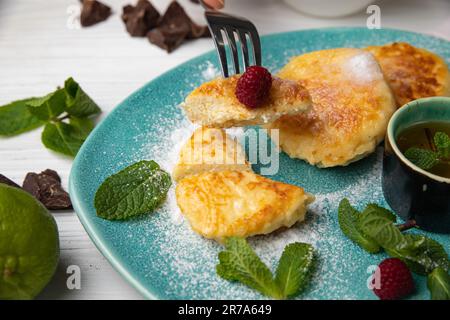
pixel 39 49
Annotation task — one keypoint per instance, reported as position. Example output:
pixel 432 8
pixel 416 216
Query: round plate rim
pixel 77 204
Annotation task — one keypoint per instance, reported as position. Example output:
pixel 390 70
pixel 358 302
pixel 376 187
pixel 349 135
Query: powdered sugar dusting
pixel 210 72
pixel 362 68
pixel 181 264
pixel 190 260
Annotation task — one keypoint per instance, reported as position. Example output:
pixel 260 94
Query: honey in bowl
pixel 422 136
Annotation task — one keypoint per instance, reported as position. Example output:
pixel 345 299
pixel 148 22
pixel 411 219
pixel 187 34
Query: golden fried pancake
pixel 412 72
pixel 210 149
pixel 352 104
pixel 239 203
pixel 214 104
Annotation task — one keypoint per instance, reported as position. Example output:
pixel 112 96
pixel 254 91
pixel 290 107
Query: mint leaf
pixel 442 142
pixel 424 159
pixel 294 268
pixel 421 254
pixel 48 107
pixel 133 191
pixel 348 221
pixel 15 118
pixel 240 263
pixel 63 138
pixel 438 284
pixel 84 125
pixel 378 223
pixel 79 104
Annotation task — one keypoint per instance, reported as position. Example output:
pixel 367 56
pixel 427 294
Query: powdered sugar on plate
pixel 191 259
pixel 181 265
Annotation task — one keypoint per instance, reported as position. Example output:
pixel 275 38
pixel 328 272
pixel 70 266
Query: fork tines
pixel 232 26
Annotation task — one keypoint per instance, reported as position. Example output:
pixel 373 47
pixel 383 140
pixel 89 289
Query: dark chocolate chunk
pixel 167 38
pixel 8 182
pixel 140 19
pixel 46 187
pixel 174 27
pixel 93 12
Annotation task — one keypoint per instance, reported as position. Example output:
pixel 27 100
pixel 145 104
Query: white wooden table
pixel 39 49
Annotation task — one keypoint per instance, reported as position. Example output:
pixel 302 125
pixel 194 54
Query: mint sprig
pixel 376 225
pixel 133 191
pixel 420 253
pixel 66 114
pixel 427 159
pixel 240 263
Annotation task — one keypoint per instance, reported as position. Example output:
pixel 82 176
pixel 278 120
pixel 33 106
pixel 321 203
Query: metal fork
pixel 220 23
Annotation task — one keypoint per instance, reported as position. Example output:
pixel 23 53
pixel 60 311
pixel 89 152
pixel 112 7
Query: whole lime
pixel 29 245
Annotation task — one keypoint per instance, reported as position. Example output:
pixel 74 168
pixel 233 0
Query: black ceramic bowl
pixel 412 192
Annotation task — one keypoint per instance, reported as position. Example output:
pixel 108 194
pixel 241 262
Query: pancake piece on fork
pixel 411 72
pixel 352 104
pixel 214 104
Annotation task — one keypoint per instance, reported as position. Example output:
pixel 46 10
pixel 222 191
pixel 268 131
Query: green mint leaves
pixel 427 159
pixel 66 114
pixel 348 220
pixel 63 138
pixel 424 159
pixel 438 284
pixel 421 254
pixel 135 190
pixel 15 119
pixel 375 225
pixel 78 103
pixel 294 268
pixel 373 229
pixel 240 263
pixel 48 107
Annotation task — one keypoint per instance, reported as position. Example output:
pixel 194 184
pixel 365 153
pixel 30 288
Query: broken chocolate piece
pixel 176 17
pixel 8 182
pixel 174 27
pixel 140 18
pixel 167 38
pixel 93 12
pixel 46 187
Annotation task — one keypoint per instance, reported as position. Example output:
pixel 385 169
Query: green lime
pixel 29 245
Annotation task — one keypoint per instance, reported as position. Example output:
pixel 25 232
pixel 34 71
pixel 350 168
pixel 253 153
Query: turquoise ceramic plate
pixel 160 255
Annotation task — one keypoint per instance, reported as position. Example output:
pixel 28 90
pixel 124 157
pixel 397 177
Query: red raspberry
pixel 253 86
pixel 395 280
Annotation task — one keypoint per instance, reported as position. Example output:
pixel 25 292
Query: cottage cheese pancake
pixel 352 104
pixel 412 72
pixel 239 203
pixel 214 104
pixel 210 149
